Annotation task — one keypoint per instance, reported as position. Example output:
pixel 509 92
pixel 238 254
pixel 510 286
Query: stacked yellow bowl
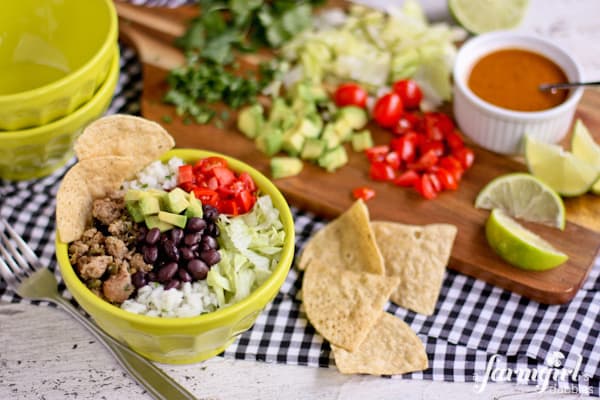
pixel 59 66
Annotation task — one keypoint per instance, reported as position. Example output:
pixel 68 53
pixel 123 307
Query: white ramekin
pixel 499 129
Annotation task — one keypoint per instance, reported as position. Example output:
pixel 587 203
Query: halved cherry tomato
pixel 405 146
pixel 435 182
pixel 437 146
pixel 377 153
pixel 410 93
pixel 393 160
pixel 452 165
pixel 388 110
pixel 454 141
pixel 465 156
pixel 425 187
pixel 447 179
pixel 363 192
pixel 381 171
pixel 350 94
pixel 424 162
pixel 407 178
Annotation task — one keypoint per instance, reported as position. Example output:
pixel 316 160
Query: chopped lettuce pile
pixel 251 246
pixel 376 48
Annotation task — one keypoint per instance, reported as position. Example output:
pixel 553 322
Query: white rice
pixel 157 175
pixel 190 300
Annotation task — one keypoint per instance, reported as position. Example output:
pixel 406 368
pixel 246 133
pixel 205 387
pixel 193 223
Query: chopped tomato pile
pixel 426 152
pixel 213 183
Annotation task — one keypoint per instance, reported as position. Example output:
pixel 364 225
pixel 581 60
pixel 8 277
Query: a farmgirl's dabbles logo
pixel 566 380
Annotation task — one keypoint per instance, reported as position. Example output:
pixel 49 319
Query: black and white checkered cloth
pixel 475 324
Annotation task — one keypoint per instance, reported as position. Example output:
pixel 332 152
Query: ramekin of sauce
pixel 496 96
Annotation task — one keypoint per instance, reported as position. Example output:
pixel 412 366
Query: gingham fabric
pixel 474 324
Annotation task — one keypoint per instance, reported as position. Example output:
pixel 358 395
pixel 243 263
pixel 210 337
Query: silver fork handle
pixel 152 378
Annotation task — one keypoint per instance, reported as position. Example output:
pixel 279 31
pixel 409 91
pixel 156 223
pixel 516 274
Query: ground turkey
pixel 107 210
pixel 116 247
pixel 118 287
pixel 93 267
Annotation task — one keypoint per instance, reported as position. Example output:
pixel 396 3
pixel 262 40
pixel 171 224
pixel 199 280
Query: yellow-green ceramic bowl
pixel 193 339
pixel 36 152
pixel 54 54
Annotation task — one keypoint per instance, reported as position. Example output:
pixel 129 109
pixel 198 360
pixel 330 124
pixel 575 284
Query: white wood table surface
pixel 44 354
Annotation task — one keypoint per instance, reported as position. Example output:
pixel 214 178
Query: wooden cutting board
pixel 151 31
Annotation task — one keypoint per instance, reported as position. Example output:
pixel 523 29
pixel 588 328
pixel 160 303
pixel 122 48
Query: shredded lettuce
pixel 251 246
pixel 377 48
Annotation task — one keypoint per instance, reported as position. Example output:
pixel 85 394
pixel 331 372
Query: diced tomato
pixel 405 146
pixel 447 179
pixel 437 146
pixel 206 164
pixel 245 199
pixel 452 165
pixel 465 156
pixel 381 171
pixel 377 153
pixel 363 192
pixel 425 187
pixel 454 141
pixel 424 162
pixel 407 178
pixel 393 160
pixel 224 175
pixel 187 186
pixel 212 183
pixel 185 174
pixel 228 207
pixel 248 181
pixel 206 196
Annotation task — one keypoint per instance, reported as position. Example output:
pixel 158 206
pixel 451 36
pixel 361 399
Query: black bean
pixel 138 279
pixel 211 257
pixel 152 236
pixel 212 229
pixel 198 269
pixel 195 224
pixel 186 253
pixel 150 254
pixel 191 239
pixel 167 272
pixel 172 284
pixel 176 235
pixel 171 251
pixel 151 276
pixel 142 231
pixel 184 275
pixel 209 242
pixel 210 213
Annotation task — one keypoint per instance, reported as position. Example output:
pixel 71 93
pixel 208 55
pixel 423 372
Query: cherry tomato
pixel 388 110
pixel 350 94
pixel 407 122
pixel 425 187
pixel 435 182
pixel 447 179
pixel 436 146
pixel 405 146
pixel 454 141
pixel 465 156
pixel 452 165
pixel 381 171
pixel 426 161
pixel 407 178
pixel 410 93
pixel 363 192
pixel 377 153
pixel 393 160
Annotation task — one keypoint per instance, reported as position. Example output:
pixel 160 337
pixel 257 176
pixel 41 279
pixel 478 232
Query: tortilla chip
pixel 347 242
pixel 418 255
pixel 343 305
pixel 85 181
pixel 390 348
pixel 124 135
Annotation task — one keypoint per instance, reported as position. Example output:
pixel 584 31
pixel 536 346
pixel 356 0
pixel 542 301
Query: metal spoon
pixel 553 87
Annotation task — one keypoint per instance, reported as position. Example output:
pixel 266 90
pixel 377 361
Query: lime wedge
pixel 487 15
pixel 561 170
pixel 584 147
pixel 523 196
pixel 518 245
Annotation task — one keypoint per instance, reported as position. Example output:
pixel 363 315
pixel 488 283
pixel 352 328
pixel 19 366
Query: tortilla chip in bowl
pixel 181 340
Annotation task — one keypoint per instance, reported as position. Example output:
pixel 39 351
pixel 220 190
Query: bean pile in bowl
pixel 177 255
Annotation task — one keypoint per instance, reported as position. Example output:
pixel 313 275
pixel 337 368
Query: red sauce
pixel 510 78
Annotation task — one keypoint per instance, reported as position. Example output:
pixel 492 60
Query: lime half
pixel 584 147
pixel 519 246
pixel 562 171
pixel 487 15
pixel 523 196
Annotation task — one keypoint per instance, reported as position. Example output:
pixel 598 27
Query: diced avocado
pixel 158 194
pixel 330 136
pixel 152 221
pixel 308 128
pixel 313 148
pixel 270 141
pixel 282 167
pixel 134 195
pixel 303 107
pixel 250 120
pixel 362 140
pixel 172 218
pixel 149 205
pixel 343 130
pixel 293 142
pixel 309 92
pixel 194 209
pixel 317 122
pixel 333 159
pixel 134 211
pixel 355 117
pixel 279 111
pixel 177 200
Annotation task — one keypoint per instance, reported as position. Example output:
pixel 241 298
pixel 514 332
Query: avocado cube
pixel 308 128
pixel 172 218
pixel 279 111
pixel 313 148
pixel 152 221
pixel 343 130
pixel 330 137
pixel 134 211
pixel 134 195
pixel 250 120
pixel 194 208
pixel 362 140
pixel 355 117
pixel 149 205
pixel 293 142
pixel 333 159
pixel 282 167
pixel 177 200
pixel 270 142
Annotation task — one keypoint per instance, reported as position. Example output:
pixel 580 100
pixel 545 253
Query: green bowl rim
pixel 53 128
pixel 280 271
pixel 110 39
